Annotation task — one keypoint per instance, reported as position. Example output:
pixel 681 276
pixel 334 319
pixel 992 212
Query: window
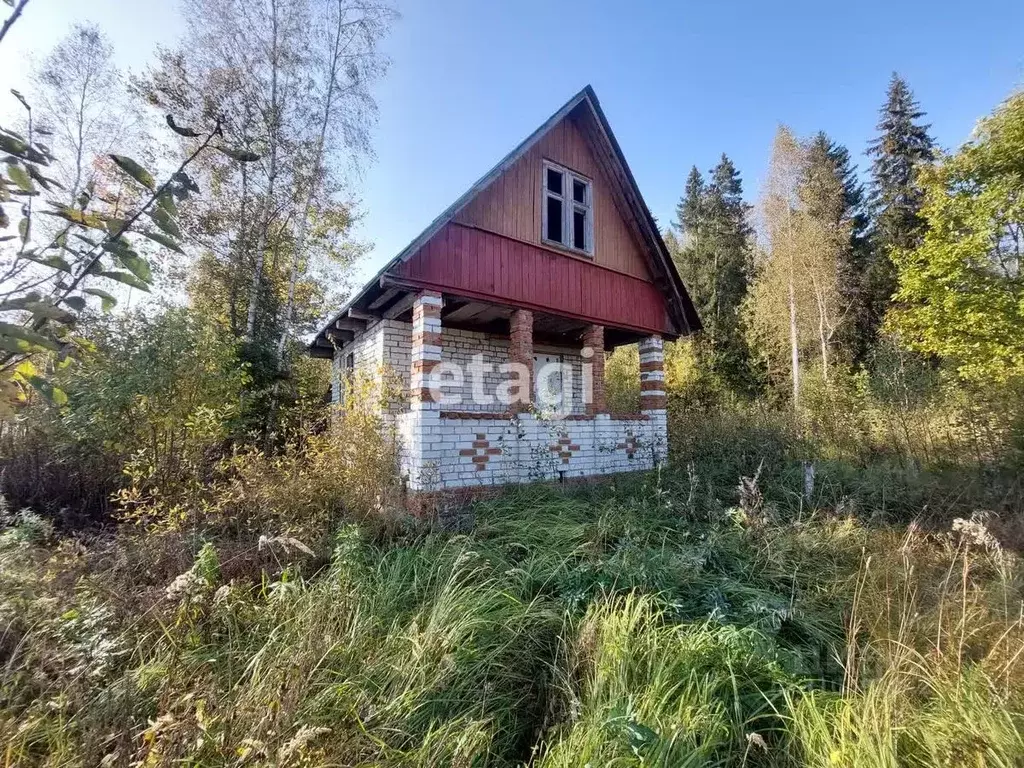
pixel 568 209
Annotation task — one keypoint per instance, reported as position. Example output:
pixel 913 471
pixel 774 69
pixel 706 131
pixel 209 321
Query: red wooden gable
pixel 482 265
pixel 486 246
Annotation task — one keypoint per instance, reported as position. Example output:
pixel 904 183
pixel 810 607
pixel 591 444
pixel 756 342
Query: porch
pixel 505 395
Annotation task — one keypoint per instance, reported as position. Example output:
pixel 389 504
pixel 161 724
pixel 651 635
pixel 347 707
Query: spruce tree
pixel 835 195
pixel 713 259
pixel 896 196
pixel 689 210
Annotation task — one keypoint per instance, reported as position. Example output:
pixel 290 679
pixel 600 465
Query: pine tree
pixel 729 233
pixel 896 196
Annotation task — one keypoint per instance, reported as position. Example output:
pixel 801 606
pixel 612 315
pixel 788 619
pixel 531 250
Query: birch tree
pixel 80 104
pixel 796 308
pixel 773 300
pixel 277 235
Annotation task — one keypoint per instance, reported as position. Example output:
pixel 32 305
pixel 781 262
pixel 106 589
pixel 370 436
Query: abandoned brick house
pixel 499 314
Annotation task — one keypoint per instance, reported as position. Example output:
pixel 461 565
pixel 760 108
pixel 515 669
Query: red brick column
pixel 652 374
pixel 593 343
pixel 520 350
pixel 425 350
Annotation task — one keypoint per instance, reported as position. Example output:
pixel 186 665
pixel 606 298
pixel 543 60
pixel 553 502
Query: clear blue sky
pixel 680 82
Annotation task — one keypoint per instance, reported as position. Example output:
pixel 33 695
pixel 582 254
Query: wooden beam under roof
pixel 348 324
pixel 400 307
pixel 384 298
pixel 467 311
pixel 339 335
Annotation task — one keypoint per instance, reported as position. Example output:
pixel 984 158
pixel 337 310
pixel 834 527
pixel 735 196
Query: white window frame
pixel 569 206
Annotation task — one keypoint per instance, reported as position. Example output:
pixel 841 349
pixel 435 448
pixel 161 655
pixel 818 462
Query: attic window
pixel 568 218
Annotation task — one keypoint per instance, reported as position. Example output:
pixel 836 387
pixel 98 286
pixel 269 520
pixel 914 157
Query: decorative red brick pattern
pixel 652 374
pixel 424 351
pixel 565 447
pixel 489 416
pixel 481 451
pixel 629 445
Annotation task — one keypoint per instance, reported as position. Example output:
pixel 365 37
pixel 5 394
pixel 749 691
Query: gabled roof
pixel 681 307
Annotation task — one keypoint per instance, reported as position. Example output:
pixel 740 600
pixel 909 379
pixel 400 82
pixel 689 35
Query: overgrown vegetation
pixel 201 564
pixel 678 619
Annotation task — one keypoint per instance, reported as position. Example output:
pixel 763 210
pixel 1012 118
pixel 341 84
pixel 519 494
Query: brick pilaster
pixel 425 351
pixel 593 342
pixel 424 393
pixel 521 351
pixel 652 374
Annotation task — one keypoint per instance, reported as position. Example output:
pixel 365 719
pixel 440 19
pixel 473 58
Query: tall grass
pixel 662 620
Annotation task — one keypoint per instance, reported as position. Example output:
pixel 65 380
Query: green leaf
pixel 16 346
pixel 182 130
pixel 164 240
pixel 240 155
pixel 165 222
pixel 17 174
pixel 166 201
pixel 53 261
pixel 50 311
pixel 136 171
pixel 117 247
pixel 54 394
pixel 45 182
pixel 137 265
pixel 116 226
pixel 28 335
pixel 90 220
pixel 77 303
pixel 125 277
pixel 12 145
pixel 122 250
pixel 108 301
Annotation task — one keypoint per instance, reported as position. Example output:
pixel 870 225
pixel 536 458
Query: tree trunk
pixel 238 255
pixel 824 345
pixel 300 237
pixel 823 336
pixel 793 346
pixel 264 221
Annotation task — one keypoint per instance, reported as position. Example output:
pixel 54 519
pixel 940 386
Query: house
pixel 499 314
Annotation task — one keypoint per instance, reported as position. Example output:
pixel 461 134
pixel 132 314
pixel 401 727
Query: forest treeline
pixel 850 299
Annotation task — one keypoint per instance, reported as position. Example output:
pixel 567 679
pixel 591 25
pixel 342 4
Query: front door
pixel 547 377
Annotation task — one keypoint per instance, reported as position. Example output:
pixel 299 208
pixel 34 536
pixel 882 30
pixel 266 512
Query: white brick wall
pixel 460 348
pixel 529 449
pixel 441 453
